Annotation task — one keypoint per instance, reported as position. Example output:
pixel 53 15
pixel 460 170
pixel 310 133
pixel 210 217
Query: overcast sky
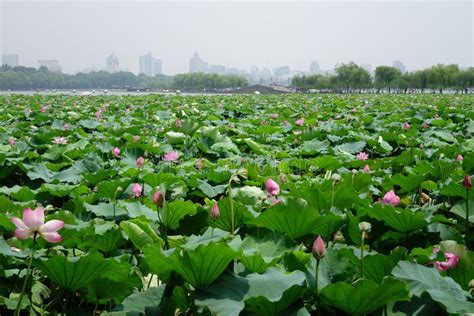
pixel 81 34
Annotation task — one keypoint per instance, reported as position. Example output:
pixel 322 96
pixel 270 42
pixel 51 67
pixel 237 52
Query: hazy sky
pixel 82 34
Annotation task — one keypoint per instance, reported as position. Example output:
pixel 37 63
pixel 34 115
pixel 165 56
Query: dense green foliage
pixel 124 253
pixel 351 77
pixel 23 78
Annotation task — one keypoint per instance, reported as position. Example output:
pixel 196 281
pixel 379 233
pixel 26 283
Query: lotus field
pixel 236 205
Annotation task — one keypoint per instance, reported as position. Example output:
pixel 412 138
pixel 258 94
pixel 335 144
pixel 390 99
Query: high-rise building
pixel 10 60
pixel 399 65
pixel 314 68
pixel 146 65
pixel 281 71
pixel 112 64
pixel 150 66
pixel 196 64
pixel 157 67
pixel 51 64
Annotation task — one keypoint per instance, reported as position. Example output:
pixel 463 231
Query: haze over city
pixel 82 34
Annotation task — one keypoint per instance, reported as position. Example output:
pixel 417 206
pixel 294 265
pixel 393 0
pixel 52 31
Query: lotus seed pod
pixel 365 227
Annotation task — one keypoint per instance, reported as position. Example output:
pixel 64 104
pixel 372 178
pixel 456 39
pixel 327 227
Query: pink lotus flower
pixel 285 122
pixel 137 190
pixel 300 122
pixel 136 138
pixel 451 261
pixel 362 156
pixel 116 151
pixel 366 168
pixel 59 140
pixel 215 213
pixel 272 187
pixel 43 109
pixel 459 158
pixel 11 141
pixel 171 156
pixel 66 126
pixel 391 198
pixel 319 249
pixel 158 198
pixel 425 125
pixel 33 225
pixel 406 125
pixel 178 123
pixel 98 114
pixel 27 113
pixel 140 162
pixel 274 115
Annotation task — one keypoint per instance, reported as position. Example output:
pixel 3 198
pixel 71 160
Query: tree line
pixel 352 77
pixel 29 78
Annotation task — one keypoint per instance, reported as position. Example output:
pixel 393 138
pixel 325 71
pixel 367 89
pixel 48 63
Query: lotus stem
pixel 362 255
pixel 467 218
pixel 231 207
pixel 316 277
pixel 28 275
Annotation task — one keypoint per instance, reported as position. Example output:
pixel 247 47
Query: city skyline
pixel 151 66
pixel 239 35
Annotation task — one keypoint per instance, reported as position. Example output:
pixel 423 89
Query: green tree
pixel 352 76
pixel 385 76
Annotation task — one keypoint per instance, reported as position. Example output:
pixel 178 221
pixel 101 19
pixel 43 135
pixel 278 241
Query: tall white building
pixel 10 60
pixel 399 65
pixel 112 64
pixel 51 64
pixel 196 64
pixel 157 67
pixel 150 66
pixel 314 68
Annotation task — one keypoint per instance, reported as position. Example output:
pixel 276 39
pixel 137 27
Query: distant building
pixel 10 60
pixel 157 67
pixel 235 71
pixel 399 65
pixel 281 71
pixel 217 69
pixel 196 64
pixel 51 64
pixel 314 68
pixel 150 66
pixel 112 64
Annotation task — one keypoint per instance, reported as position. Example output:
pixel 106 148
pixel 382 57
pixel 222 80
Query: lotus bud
pixel 366 168
pixel 272 187
pixel 319 249
pixel 119 189
pixel 215 213
pixel 158 198
pixel 140 161
pixel 467 183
